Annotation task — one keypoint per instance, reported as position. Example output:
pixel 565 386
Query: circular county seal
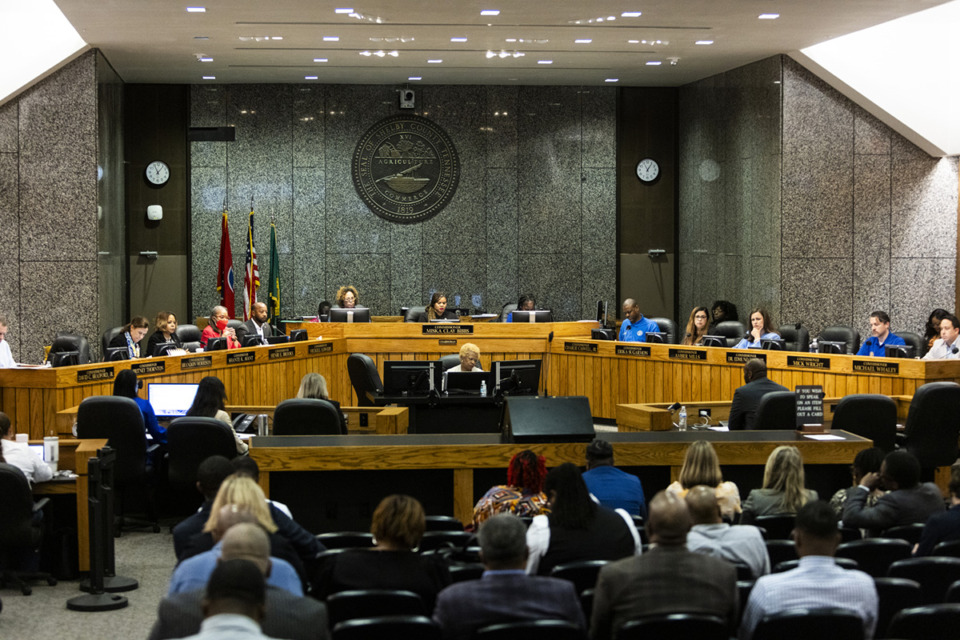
pixel 406 169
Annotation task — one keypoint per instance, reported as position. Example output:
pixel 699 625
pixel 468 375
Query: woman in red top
pixel 218 329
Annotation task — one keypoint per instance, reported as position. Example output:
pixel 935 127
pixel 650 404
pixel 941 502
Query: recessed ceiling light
pixel 630 14
pixel 276 37
pixel 436 61
pixel 331 38
pixel 414 78
pixel 343 10
pixel 458 39
pixel 205 59
pixel 511 40
pixel 196 9
pixel 633 42
pixel 653 63
pixel 319 59
pixel 209 77
pixel 612 80
pixel 703 42
pixel 309 77
pixel 490 12
pixel 583 41
pixel 768 16
pixel 544 61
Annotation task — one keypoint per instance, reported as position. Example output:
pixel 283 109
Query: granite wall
pixel 794 198
pixel 535 209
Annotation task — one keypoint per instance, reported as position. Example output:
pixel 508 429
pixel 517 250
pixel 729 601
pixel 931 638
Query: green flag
pixel 273 296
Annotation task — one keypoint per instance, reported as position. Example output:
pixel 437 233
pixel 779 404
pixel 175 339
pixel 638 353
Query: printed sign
pixel 149 366
pixel 809 404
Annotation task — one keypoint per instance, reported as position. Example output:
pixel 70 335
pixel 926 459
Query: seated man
pixel 614 488
pixel 20 455
pixel 711 535
pixel 818 581
pixel 233 603
pixel 943 526
pixel 635 326
pixel 945 347
pixel 256 325
pixel 6 356
pixel 746 399
pixel 505 593
pixel 210 475
pixel 907 499
pixel 880 336
pixel 666 579
pixel 287 616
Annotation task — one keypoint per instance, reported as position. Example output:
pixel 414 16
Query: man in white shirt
pixel 19 454
pixel 946 347
pixel 6 357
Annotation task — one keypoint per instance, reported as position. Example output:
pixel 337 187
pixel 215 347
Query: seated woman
pixel 783 491
pixel 866 461
pixel 398 525
pixel 761 328
pixel 701 466
pixel 437 310
pixel 314 386
pixel 696 327
pixel 217 328
pixel 525 303
pixel 323 309
pixel 722 311
pixel 210 401
pixel 577 528
pixel 165 330
pixel 131 336
pixel 469 358
pixel 522 495
pixel 347 298
pixel 126 385
pixel 932 329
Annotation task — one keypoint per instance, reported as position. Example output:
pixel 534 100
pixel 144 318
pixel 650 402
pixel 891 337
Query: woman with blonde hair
pixel 314 386
pixel 469 358
pixel 783 491
pixel 242 492
pixel 701 466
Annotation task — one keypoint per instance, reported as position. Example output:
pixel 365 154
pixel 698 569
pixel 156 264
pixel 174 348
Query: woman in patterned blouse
pixel 522 495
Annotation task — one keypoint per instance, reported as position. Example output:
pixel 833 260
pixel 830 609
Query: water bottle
pixel 682 422
pixel 483 388
pixel 813 346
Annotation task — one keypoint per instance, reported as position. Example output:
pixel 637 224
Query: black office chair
pixel 419 627
pixel 448 361
pixel 668 327
pixel 781 551
pixel 20 532
pixel 933 425
pixel 583 573
pixel 795 337
pixel 676 626
pixel 777 410
pixel 346 540
pixel 107 338
pixel 120 421
pixel 869 415
pixel 443 523
pixel 732 330
pixel 465 572
pixel 894 595
pixel 875 555
pixel 947 548
pixel 827 623
pixel 778 527
pixel 190 441
pixel 934 574
pixel 189 335
pixel 508 308
pixel 435 540
pixel 839 333
pixel 367 603
pixel 234 324
pixel 364 378
pixel 532 630
pixel 933 622
pixel 953 592
pixel 413 313
pixel 913 340
pixel 307 417
pixel 909 532
pixel 64 341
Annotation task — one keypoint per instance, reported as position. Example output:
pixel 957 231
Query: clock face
pixel 648 170
pixel 158 172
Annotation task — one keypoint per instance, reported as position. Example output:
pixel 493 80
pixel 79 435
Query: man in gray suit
pixel 505 593
pixel 287 616
pixel 667 579
pixel 746 399
pixel 256 325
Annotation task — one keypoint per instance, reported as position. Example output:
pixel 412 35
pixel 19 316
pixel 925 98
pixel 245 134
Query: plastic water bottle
pixel 813 346
pixel 682 422
pixel 483 388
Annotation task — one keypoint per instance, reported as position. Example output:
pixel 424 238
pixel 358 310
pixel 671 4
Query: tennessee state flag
pixel 251 272
pixel 225 270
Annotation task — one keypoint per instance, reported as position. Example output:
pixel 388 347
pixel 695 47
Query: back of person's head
pixel 313 385
pixel 903 468
pixel 247 541
pixel 570 503
pixel 503 541
pixel 868 461
pixel 703 505
pixel 954 485
pixel 399 521
pixel 5 425
pixel 211 397
pixel 246 466
pixel 815 530
pixel 599 453
pixel 755 369
pixel 125 384
pixel 524 299
pixel 784 473
pixel 527 471
pixel 238 587
pixel 700 466
pixel 669 520
pixel 211 473
pixel 245 494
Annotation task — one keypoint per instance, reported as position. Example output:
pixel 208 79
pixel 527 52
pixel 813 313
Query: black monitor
pixel 832 346
pixel 409 377
pixel 540 315
pixel 280 339
pixel 773 344
pixel 64 358
pixel 713 341
pixel 602 313
pixel 899 351
pixel 171 399
pixel 216 344
pixel 518 377
pixel 359 314
pixel 656 337
pixel 253 340
pixel 161 349
pixel 299 335
pixel 115 354
pixel 603 334
pixel 467 382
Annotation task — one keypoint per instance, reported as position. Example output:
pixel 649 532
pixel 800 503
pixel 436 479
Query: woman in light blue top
pixel 761 328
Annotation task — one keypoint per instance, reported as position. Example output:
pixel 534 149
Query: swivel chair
pixel 72 342
pixel 777 410
pixel 412 313
pixel 839 333
pixel 448 361
pixel 826 623
pixel 364 378
pixel 914 340
pixel 20 532
pixel 933 425
pixel 508 308
pixel 190 441
pixel 303 417
pixel 926 623
pixel 796 337
pixel 189 335
pixel 732 330
pixel 668 327
pixel 107 338
pixel 868 415
pixel 674 626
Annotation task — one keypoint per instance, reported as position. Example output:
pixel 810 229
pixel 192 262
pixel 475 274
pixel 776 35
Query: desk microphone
pixel 955 350
pixel 748 336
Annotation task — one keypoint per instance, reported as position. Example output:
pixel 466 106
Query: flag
pixel 251 276
pixel 273 294
pixel 225 270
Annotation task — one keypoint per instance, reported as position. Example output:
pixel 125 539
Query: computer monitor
pixel 602 334
pixel 216 344
pixel 64 358
pixel 171 399
pixel 299 335
pixel 467 382
pixel 115 354
pixel 517 377
pixel 602 312
pixel 540 315
pixel 251 340
pixel 899 351
pixel 832 346
pixel 162 348
pixel 656 337
pixel 773 344
pixel 409 377
pixel 280 339
pixel 713 341
pixel 37 449
pixel 358 314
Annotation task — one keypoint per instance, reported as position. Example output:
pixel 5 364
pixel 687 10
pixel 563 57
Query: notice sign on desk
pixel 809 404
pixel 92 375
pixel 241 356
pixel 324 347
pixel 447 330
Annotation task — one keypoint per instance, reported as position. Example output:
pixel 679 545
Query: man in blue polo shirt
pixel 880 336
pixel 635 327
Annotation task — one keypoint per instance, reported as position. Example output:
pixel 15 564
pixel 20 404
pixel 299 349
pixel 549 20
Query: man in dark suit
pixel 666 579
pixel 256 325
pixel 746 399
pixel 287 616
pixel 505 593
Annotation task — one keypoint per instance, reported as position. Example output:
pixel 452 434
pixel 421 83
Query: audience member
pixel 126 385
pixel 818 581
pixel 217 328
pixel 711 535
pixel 932 329
pixel 347 297
pixel 210 402
pixel 522 495
pixel 469 358
pixel 233 604
pixel 210 475
pixel 287 616
pixel 6 356
pixel 943 527
pixel 783 489
pixel 314 386
pixel 247 466
pixel 165 330
pixel 504 593
pixel 880 336
pixel 701 466
pixel 746 399
pixel 256 325
pixel 866 461
pixel 696 327
pixel 669 578
pixel 761 328
pixel 524 303
pixel 907 499
pixel 19 454
pixel 635 326
pixel 131 336
pixel 577 528
pixel 946 347
pixel 723 311
pixel 614 488
pixel 437 309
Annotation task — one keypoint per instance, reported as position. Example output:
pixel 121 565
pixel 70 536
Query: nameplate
pixel 446 330
pixel 864 366
pixel 325 347
pixel 686 354
pixel 447 343
pixel 579 347
pixel 240 358
pixel 808 362
pixel 283 352
pixel 631 350
pixel 92 375
pixel 141 368
pixel 198 362
pixel 742 357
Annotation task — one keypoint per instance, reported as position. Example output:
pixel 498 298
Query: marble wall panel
pixel 10 305
pixel 502 222
pixel 9 205
pixel 365 272
pixel 301 248
pixel 460 275
pixel 762 288
pixel 689 276
pixel 501 115
pixel 762 191
pixel 870 136
pixel 555 282
pixel 817 214
pixel 406 267
pixel 730 282
pixel 307 112
pixel 72 309
pixel 817 292
pixel 598 117
pixel 924 203
pixel 9 125
pixel 917 286
pixel 207 192
pixel 871 265
pixel 598 230
pixel 817 121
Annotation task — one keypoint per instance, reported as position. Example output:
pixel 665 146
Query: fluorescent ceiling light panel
pixel 412 78
pixel 343 10
pixel 630 14
pixel 458 39
pixel 331 38
pixel 209 77
pixel 583 41
pixel 434 61
pixel 196 9
pixel 490 12
pixel 704 42
pixel 768 16
pixel 319 59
